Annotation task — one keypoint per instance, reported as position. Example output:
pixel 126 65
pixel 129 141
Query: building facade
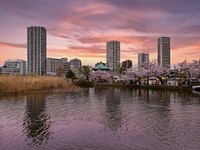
pixel 76 63
pixel 143 60
pixel 14 67
pixel 51 66
pixel 57 66
pixel 66 65
pixel 36 47
pixel 113 55
pixel 127 64
pixel 164 51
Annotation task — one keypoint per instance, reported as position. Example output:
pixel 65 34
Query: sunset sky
pixel 81 28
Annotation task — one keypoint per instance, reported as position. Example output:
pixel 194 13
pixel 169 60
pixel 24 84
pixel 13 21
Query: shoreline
pixel 74 87
pixel 41 91
pixel 156 87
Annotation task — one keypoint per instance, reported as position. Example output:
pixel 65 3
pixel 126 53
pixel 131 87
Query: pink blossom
pixel 101 76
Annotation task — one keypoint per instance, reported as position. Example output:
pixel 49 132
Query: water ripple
pixel 101 118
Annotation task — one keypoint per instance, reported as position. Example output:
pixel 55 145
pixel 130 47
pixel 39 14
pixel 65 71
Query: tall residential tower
pixel 164 51
pixel 113 54
pixel 36 50
pixel 143 60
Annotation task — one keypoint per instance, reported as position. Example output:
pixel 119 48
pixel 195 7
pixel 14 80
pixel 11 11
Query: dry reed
pixel 15 84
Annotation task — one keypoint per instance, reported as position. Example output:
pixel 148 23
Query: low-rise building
pixel 14 67
pixel 172 82
pixel 76 63
pixel 51 66
pixel 57 66
pixel 127 64
pixel 66 65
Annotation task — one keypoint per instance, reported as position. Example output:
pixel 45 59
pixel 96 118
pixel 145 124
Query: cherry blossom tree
pixel 132 74
pixel 101 76
pixel 152 69
pixel 155 70
pixel 192 69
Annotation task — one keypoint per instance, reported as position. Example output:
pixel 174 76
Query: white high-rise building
pixel 113 55
pixel 36 48
pixel 143 60
pixel 164 51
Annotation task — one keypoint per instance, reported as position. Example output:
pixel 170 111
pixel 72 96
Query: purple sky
pixel 81 28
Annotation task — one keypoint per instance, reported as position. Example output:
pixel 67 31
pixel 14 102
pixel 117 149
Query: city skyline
pixel 80 29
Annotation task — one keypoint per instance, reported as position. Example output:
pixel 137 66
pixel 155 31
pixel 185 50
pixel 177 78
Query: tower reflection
pixel 113 112
pixel 36 121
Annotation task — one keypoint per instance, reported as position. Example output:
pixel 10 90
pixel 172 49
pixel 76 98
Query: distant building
pixel 75 70
pixel 51 66
pixel 164 51
pixel 64 60
pixel 101 66
pixel 143 59
pixel 14 67
pixel 66 65
pixel 57 66
pixel 76 63
pixel 36 48
pixel 113 55
pixel 127 64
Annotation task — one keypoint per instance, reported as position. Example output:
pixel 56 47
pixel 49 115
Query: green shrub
pixel 70 74
pixel 85 83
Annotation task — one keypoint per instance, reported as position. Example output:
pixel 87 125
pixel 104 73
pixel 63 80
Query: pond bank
pixel 159 87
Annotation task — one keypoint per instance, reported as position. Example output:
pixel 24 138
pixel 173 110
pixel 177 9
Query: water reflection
pixel 160 97
pixel 36 121
pixel 101 118
pixel 113 117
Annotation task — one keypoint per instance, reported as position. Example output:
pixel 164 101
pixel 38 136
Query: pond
pixel 105 118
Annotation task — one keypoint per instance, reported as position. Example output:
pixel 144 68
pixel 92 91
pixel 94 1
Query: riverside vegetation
pixel 16 84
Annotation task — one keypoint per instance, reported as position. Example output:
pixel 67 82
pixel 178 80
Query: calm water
pixel 101 119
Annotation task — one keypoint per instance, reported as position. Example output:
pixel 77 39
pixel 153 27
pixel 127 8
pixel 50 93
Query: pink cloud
pixel 85 26
pixel 12 45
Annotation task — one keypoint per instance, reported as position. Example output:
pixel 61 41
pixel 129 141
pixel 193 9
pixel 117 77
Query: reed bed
pixel 16 84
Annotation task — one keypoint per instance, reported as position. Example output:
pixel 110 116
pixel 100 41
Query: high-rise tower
pixel 164 51
pixel 143 60
pixel 113 54
pixel 36 48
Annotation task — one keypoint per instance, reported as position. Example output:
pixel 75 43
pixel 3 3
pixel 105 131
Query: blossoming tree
pixel 132 74
pixel 192 69
pixel 101 76
pixel 152 69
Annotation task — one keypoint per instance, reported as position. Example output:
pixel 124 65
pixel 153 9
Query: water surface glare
pixel 101 119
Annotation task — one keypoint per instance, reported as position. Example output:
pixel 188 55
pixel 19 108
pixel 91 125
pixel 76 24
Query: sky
pixel 81 28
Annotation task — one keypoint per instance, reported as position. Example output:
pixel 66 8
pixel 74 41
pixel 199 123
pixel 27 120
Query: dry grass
pixel 15 84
